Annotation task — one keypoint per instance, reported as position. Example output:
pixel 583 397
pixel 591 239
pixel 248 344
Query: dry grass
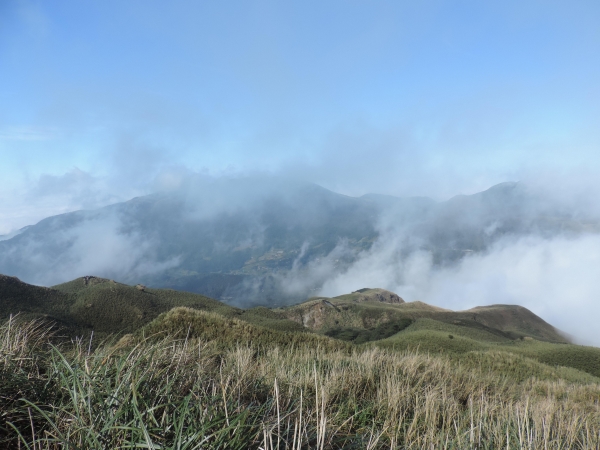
pixel 193 394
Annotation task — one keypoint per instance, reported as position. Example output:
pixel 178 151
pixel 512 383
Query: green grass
pixel 496 323
pixel 432 336
pixel 478 334
pixel 580 357
pixel 268 318
pixel 518 368
pixel 192 372
pixel 107 307
pixel 31 301
pixel 111 308
pixel 360 335
pixel 187 323
pixel 243 391
pixel 334 314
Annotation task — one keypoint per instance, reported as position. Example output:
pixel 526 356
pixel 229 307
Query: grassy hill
pixel 369 309
pixel 206 381
pixel 361 319
pixel 365 317
pixel 31 301
pixel 224 332
pixel 431 336
pixel 363 370
pixel 106 307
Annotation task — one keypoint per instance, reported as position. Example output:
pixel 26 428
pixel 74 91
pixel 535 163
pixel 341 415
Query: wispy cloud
pixel 49 195
pixel 29 133
pixel 554 277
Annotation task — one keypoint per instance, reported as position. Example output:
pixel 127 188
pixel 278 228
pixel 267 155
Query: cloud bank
pixel 554 275
pixel 95 245
pixel 555 278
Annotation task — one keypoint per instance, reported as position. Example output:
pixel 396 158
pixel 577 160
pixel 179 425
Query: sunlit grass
pixel 430 336
pixel 183 393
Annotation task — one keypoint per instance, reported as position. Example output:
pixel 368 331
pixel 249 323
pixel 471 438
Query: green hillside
pixel 365 317
pixel 432 336
pixel 363 370
pixel 519 358
pixel 196 379
pixel 223 332
pixel 416 326
pixel 106 307
pixel 31 301
pixel 369 309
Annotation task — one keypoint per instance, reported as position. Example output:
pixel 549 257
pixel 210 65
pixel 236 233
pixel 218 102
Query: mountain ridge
pixel 254 242
pixel 81 300
pixel 103 308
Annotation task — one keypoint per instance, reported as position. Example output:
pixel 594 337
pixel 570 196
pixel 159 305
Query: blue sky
pixel 101 101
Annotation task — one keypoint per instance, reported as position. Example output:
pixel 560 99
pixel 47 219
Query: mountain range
pixel 268 241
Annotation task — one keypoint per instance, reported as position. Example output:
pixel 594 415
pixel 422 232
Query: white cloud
pixel 556 279
pixel 96 245
pixel 49 195
pixel 28 133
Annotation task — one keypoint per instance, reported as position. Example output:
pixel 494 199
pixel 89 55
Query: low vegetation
pixel 184 389
pixel 430 336
pixel 361 335
pixel 171 370
pixel 106 307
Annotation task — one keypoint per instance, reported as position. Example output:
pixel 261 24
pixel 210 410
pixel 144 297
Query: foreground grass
pixel 197 394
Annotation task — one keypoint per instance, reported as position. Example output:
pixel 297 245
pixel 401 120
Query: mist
pixel 557 279
pixel 551 271
pixel 235 151
pixel 532 243
pixel 94 244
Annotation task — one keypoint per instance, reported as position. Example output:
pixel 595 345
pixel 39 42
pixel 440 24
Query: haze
pixel 100 103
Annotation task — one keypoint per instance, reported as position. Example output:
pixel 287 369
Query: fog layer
pixel 555 278
pixel 268 240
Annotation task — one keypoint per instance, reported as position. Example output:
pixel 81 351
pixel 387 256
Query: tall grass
pixel 192 394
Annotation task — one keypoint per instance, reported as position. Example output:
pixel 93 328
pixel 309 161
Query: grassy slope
pixel 533 358
pixel 188 323
pixel 432 336
pixel 514 320
pixel 344 315
pixel 111 307
pixel 31 301
pixel 107 307
pixel 212 393
pixel 478 334
pixel 497 328
pixel 117 307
